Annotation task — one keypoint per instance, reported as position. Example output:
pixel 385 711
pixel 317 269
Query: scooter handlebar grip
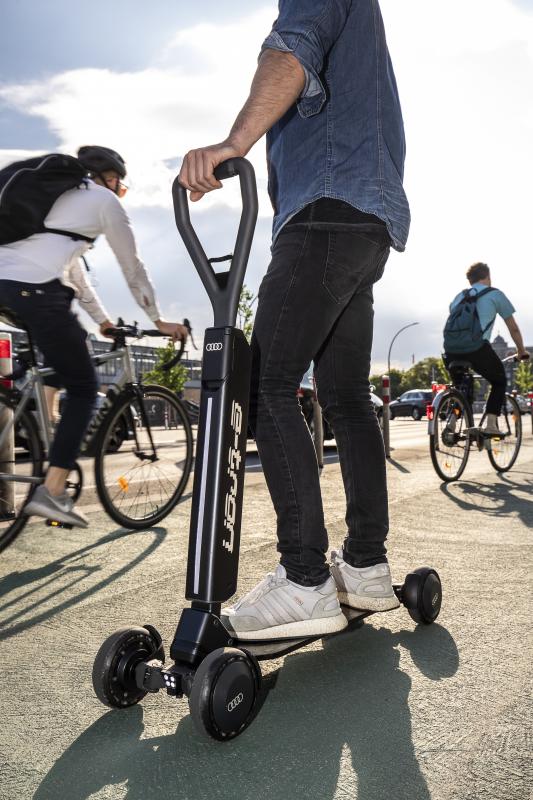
pixel 228 169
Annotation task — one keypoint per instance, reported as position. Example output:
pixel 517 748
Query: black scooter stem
pixel 216 512
pixel 223 289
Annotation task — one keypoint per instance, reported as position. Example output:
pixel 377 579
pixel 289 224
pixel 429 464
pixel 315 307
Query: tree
pixel 396 378
pixel 245 314
pixel 175 378
pixel 423 373
pixel 523 377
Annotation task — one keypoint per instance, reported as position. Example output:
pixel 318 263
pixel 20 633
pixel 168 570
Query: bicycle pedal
pixel 55 523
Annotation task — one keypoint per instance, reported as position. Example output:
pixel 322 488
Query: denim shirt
pixel 344 137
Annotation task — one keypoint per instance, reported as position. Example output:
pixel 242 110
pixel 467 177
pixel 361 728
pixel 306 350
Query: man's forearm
pixel 278 82
pixel 516 335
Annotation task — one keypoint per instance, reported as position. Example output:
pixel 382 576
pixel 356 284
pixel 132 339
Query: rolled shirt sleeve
pixel 504 307
pixel 308 31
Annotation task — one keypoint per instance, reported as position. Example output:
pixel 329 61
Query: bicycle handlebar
pixel 120 332
pixel 515 358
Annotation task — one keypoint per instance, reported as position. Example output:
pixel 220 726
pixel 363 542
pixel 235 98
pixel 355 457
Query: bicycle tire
pixel 26 424
pixel 496 448
pixel 452 396
pixel 112 500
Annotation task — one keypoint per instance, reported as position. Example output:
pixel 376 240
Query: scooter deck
pixel 265 649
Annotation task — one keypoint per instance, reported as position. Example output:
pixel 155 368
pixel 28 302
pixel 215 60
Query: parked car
pixel 524 404
pixel 306 394
pixel 411 404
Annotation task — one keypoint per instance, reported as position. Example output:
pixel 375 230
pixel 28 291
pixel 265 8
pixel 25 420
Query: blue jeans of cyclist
pixel 316 304
pixel 44 309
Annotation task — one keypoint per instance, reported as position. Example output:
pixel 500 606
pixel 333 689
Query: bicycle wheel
pixel 19 462
pixel 140 481
pixel 504 452
pixel 449 444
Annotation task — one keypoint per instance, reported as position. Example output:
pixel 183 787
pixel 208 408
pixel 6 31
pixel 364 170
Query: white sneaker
pixel 491 426
pixel 277 608
pixel 43 504
pixel 363 588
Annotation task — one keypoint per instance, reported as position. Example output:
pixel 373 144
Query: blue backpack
pixel 463 332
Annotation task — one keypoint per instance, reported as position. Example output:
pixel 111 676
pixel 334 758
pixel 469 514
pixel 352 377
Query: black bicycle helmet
pixel 98 159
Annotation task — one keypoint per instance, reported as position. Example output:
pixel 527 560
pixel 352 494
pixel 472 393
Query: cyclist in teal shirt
pixel 488 306
pixel 484 360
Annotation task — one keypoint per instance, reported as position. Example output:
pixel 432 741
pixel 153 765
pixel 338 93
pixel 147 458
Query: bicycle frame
pixel 34 387
pixel 127 376
pixel 435 406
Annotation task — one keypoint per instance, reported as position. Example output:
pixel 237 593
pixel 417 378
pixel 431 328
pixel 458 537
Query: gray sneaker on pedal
pixel 363 588
pixel 277 608
pixel 61 508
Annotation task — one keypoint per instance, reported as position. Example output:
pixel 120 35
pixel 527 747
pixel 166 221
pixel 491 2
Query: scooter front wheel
pixel 224 693
pixel 115 663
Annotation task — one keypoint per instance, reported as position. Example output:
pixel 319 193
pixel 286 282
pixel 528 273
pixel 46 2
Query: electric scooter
pixel 219 674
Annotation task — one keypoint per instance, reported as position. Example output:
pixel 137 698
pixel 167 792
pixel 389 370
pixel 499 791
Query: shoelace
pixel 270 580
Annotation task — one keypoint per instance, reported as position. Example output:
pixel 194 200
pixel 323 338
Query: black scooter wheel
pixel 224 693
pixel 422 595
pixel 114 666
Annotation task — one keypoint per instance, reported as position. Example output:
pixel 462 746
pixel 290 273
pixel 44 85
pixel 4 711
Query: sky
pixel 152 80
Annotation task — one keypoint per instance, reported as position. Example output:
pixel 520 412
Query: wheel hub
pixel 233 696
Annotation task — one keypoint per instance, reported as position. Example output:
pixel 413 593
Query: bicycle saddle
pixel 459 365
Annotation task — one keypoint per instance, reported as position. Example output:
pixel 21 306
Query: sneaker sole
pixel 359 603
pixel 293 630
pixel 35 509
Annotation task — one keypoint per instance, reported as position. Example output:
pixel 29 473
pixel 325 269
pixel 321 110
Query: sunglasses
pixel 116 185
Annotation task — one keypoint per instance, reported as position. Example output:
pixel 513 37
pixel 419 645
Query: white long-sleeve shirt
pixel 90 210
pixel 75 276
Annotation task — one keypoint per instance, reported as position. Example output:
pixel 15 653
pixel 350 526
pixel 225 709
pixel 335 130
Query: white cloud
pixel 189 98
pixel 465 72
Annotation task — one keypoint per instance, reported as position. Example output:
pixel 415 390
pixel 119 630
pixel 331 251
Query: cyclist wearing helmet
pixel 32 284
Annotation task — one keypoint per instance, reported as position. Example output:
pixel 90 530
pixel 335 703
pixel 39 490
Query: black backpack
pixel 463 332
pixel 29 189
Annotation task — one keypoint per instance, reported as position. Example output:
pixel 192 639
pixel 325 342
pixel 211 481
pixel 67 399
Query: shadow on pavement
pixel 348 701
pixel 398 466
pixel 495 499
pixel 52 577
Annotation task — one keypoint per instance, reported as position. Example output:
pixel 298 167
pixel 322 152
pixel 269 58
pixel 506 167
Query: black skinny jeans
pixel 316 304
pixel 44 309
pixel 486 362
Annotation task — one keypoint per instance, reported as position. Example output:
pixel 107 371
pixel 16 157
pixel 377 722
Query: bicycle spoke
pixel 134 488
pixel 450 440
pixel 504 451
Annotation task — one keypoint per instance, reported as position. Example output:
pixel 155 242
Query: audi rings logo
pixel 213 346
pixel 237 700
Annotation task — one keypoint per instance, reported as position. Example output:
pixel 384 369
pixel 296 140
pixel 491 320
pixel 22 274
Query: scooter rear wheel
pixel 114 666
pixel 422 595
pixel 224 693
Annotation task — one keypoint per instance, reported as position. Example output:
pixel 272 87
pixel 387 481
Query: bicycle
pixel 141 441
pixel 453 433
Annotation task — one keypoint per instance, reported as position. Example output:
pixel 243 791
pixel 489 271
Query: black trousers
pixel 45 311
pixel 488 364
pixel 316 304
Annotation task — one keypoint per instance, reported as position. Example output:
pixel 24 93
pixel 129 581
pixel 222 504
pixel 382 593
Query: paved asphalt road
pixel 388 712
